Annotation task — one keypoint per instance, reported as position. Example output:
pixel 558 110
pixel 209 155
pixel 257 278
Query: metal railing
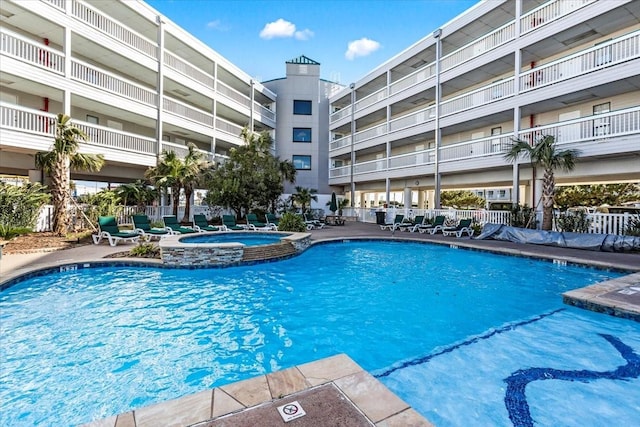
pixel 183 67
pixel 117 139
pixel 27 120
pixel 549 12
pixel 229 92
pixel 183 110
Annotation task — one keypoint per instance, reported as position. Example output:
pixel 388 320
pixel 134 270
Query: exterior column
pixel 436 35
pixel 353 132
pixel 66 96
pixel 160 85
pixel 407 201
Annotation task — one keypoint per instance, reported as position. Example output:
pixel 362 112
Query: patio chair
pixel 272 220
pixel 393 225
pixel 171 222
pixel 142 225
pixel 464 226
pixel 311 222
pixel 200 224
pixel 229 221
pixel 109 230
pixel 411 225
pixel 255 224
pixel 438 225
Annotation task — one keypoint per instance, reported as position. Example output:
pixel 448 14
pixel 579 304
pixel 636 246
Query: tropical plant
pixel 577 222
pixel 633 226
pixel 58 163
pixel 166 176
pixel 461 199
pixel 303 197
pixel 103 203
pixel 543 153
pixel 523 217
pixel 145 250
pixel 342 203
pixel 597 194
pixel 138 193
pixel 252 178
pixel 290 221
pixel 21 205
pixel 193 172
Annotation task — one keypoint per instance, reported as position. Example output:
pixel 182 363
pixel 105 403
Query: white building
pixel 135 82
pixel 440 114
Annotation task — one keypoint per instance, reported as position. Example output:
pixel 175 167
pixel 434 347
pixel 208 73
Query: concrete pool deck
pixel 333 391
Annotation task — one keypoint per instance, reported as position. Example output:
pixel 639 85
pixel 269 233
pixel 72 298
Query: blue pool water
pixel 86 344
pixel 245 237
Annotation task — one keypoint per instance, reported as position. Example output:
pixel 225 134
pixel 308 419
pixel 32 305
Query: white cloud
pixel 305 34
pixel 279 28
pixel 217 25
pixel 362 47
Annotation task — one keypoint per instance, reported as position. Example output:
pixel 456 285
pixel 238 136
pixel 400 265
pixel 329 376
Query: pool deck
pixel 333 391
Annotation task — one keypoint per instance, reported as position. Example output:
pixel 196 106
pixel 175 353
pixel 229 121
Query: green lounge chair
pixel 438 225
pixel 109 230
pixel 411 225
pixel 171 222
pixel 393 225
pixel 255 224
pixel 142 225
pixel 311 222
pixel 272 220
pixel 200 224
pixel 464 226
pixel 229 221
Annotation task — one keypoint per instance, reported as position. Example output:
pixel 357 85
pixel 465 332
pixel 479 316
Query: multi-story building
pixel 441 114
pixel 302 129
pixel 132 80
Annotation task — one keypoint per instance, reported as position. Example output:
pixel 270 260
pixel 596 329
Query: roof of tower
pixel 302 60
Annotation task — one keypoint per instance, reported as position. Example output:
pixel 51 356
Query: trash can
pixel 381 217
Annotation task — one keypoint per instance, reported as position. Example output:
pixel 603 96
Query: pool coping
pixel 372 399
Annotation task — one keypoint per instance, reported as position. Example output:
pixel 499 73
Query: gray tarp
pixel 591 242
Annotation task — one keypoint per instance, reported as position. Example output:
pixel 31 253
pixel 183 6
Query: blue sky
pixel 348 38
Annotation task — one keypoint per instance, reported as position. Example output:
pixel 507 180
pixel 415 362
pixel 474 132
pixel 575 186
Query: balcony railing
pixel 604 55
pixel 57 3
pixel 264 111
pixel 112 83
pixel 418 117
pixel 595 128
pixel 371 99
pixel 100 21
pixel 185 111
pixel 549 12
pixel 479 97
pixel 228 127
pixel 182 150
pixel 370 133
pixel 27 120
pixel 182 67
pixel 117 139
pixel 229 92
pixel 339 143
pixel 12 44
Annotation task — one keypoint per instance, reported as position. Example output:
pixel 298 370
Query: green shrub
pixel 7 232
pixel 21 205
pixel 292 222
pixel 633 226
pixel 573 221
pixel 145 250
pixel 523 217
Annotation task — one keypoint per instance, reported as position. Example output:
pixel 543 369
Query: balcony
pixel 587 134
pixel 187 112
pixel 25 50
pixel 188 70
pixel 545 14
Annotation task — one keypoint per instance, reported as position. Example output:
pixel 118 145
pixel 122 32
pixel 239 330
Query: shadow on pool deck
pixel 335 391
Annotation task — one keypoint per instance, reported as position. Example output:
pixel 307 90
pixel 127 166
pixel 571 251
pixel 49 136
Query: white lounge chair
pixel 109 230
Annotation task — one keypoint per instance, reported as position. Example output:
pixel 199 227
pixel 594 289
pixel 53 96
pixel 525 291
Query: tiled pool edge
pixel 374 400
pixel 598 297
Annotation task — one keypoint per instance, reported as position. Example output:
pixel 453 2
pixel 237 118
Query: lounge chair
pixel 229 221
pixel 109 230
pixel 142 225
pixel 272 220
pixel 393 225
pixel 438 225
pixel 311 222
pixel 255 224
pixel 464 226
pixel 171 222
pixel 200 224
pixel 411 225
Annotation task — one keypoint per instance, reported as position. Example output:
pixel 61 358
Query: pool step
pixel 278 250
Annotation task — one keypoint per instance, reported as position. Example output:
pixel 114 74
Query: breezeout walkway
pixel 333 391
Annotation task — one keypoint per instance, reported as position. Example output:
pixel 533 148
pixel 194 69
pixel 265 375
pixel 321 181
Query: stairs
pixel 277 250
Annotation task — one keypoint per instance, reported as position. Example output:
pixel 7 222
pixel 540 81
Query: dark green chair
pixel 229 221
pixel 438 225
pixel 201 224
pixel 464 226
pixel 109 230
pixel 272 220
pixel 142 225
pixel 255 224
pixel 171 222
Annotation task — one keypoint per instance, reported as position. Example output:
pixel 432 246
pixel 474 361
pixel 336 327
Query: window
pixel 302 107
pixel 92 119
pixel 301 134
pixel 302 162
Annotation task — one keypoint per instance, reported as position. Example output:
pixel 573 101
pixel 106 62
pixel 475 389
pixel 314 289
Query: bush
pixel 573 221
pixel 145 250
pixel 21 205
pixel 7 232
pixel 292 222
pixel 633 226
pixel 523 217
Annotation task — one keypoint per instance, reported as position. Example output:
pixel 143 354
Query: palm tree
pixel 543 153
pixel 166 175
pixel 302 196
pixel 58 163
pixel 193 170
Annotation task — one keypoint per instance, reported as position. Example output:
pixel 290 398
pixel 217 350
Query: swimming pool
pixel 85 344
pixel 247 238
